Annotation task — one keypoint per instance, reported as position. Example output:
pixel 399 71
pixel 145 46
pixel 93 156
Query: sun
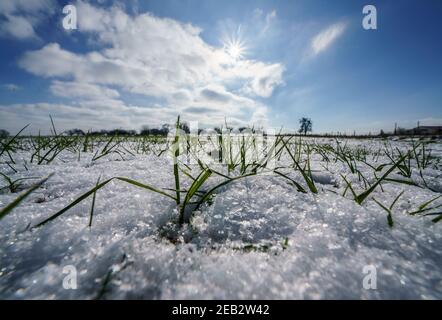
pixel 235 49
pixel 234 45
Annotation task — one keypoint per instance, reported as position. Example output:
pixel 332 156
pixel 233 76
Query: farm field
pixel 232 216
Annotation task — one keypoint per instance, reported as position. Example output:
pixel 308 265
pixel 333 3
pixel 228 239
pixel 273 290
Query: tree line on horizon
pixel 305 127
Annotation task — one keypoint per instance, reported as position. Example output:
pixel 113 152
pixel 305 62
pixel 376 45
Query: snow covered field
pixel 257 237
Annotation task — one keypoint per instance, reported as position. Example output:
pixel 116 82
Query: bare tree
pixel 4 133
pixel 218 130
pixel 306 125
pixel 75 132
pixel 185 127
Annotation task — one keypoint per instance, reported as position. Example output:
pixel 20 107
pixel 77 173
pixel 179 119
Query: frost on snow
pixel 257 237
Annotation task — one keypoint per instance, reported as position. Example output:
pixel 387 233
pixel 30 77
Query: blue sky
pixel 266 63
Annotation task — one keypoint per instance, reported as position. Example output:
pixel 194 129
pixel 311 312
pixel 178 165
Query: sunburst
pixel 235 49
pixel 235 46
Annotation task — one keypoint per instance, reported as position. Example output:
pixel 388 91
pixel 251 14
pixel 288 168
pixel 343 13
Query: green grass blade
pixel 424 210
pixel 93 204
pixel 211 191
pixel 196 185
pixel 407 182
pixel 296 184
pixel 74 203
pixel 349 186
pixel 97 187
pixel 360 198
pixel 144 186
pixel 175 162
pixel 16 202
pixel 53 126
pixel 396 199
pixel 7 144
pixel 306 177
pixel 437 219
pixel 389 217
pixel 424 205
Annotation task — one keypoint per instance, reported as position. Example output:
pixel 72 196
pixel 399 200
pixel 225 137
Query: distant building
pixel 426 130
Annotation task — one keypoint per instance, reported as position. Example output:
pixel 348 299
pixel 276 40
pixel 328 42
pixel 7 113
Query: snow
pixel 258 239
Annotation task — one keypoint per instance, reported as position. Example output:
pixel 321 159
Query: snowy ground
pixel 259 239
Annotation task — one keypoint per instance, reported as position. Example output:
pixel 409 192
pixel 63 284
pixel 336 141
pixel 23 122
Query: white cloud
pixel 270 17
pixel 11 87
pixel 262 21
pixel 264 77
pixel 18 18
pixel 327 37
pixel 156 57
pixel 108 114
pixel 26 6
pixel 84 91
pixel 18 27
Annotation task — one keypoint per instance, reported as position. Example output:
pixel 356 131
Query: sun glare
pixel 234 45
pixel 235 49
